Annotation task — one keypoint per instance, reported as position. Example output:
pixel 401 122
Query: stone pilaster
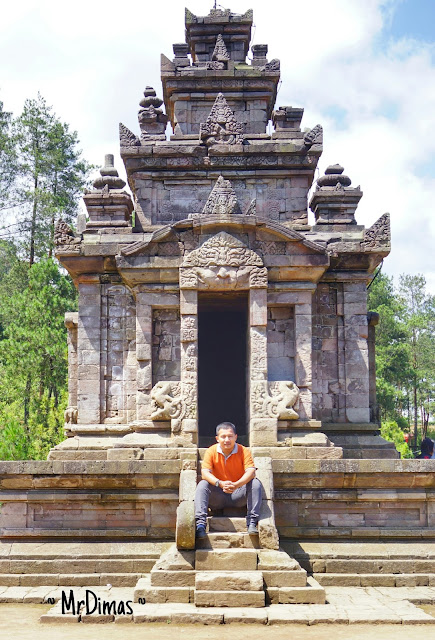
pixel 71 323
pixel 263 429
pixel 354 366
pixel 89 350
pixel 189 361
pixel 373 321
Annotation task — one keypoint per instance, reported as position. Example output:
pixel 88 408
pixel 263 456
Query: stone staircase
pixel 228 569
pixel 70 564
pixel 363 563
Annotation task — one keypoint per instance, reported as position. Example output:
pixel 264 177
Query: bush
pixel 393 433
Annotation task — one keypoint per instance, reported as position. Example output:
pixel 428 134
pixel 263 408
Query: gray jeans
pixel 208 495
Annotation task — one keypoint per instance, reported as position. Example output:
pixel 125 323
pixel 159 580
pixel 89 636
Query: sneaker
pixel 201 533
pixel 253 528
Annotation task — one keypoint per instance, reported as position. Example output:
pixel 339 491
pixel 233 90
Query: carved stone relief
pixel 222 199
pixel 274 399
pixel 222 250
pixel 378 236
pixel 167 403
pixel 64 235
pixel 221 126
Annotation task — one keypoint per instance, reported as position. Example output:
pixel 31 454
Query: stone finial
pixel 221 126
pixel 220 53
pixel 287 118
pixel 150 99
pixel 334 176
pixel 152 120
pixel 222 199
pixel 259 55
pixel 109 176
pixel 219 13
pixel 335 201
pixel 181 53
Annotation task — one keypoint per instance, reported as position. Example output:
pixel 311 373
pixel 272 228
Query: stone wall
pixel 118 353
pixel 354 499
pixel 281 343
pixel 330 499
pixel 166 345
pixel 340 352
pixel 167 199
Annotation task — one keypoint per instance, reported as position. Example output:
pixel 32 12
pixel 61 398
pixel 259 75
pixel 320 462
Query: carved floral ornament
pixel 222 250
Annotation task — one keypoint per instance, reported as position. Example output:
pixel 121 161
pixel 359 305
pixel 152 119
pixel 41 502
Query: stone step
pixel 312 593
pixel 221 540
pixel 69 580
pixel 271 560
pixel 229 581
pixel 226 560
pixel 144 591
pixel 296 578
pixel 229 598
pixel 379 566
pixel 375 579
pixel 86 550
pixel 76 565
pixel 226 524
pixel 161 578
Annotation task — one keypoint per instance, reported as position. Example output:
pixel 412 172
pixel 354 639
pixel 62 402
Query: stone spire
pixel 109 176
pixel 335 201
pixel 152 120
pixel 108 205
pixel 220 53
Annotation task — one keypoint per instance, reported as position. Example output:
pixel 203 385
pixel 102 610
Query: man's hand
pixel 227 486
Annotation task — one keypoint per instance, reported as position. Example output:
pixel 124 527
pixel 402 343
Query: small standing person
pixel 228 480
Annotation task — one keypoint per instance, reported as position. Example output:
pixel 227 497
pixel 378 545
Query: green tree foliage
pixel 42 175
pixel 392 353
pixel 419 318
pixel 7 158
pixel 51 176
pixel 33 373
pixel 405 350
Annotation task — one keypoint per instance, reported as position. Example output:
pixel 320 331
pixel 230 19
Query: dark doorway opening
pixel 222 364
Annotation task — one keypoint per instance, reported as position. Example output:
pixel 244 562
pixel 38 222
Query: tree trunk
pixel 33 225
pixel 27 406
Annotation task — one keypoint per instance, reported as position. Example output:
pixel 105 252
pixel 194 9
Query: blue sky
pixel 364 69
pixel 413 19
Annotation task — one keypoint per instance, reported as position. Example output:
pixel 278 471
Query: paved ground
pixel 345 606
pixel 21 622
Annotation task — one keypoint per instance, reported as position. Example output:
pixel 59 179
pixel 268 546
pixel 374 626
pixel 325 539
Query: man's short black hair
pixel 225 425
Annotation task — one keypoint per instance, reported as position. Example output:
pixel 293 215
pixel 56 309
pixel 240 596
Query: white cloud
pixel 374 97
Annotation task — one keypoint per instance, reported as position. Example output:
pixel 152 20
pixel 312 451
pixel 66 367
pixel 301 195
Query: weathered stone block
pixel 185 528
pixel 221 559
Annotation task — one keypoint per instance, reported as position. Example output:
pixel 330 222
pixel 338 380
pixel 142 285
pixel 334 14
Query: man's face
pixel 227 439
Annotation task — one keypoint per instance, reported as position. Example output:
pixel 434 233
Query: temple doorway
pixel 222 364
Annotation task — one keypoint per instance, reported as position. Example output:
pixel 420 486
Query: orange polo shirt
pixel 230 468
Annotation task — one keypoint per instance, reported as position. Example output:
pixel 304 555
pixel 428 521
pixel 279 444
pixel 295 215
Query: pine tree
pixel 51 173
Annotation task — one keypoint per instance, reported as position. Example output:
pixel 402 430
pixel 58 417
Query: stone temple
pixel 206 296
pixel 209 296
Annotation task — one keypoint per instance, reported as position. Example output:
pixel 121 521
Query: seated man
pixel 228 480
